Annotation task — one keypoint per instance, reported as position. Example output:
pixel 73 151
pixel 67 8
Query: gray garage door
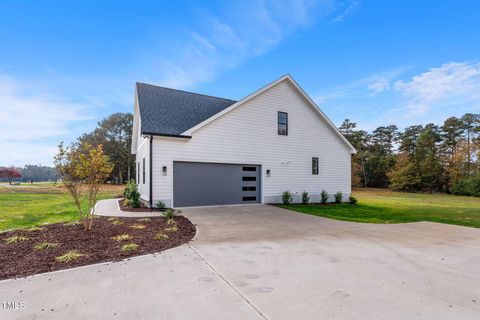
pixel 204 184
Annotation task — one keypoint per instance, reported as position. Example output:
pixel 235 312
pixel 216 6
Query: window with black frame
pixel 138 172
pixel 143 170
pixel 314 165
pixel 282 123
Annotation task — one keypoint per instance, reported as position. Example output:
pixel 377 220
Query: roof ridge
pixel 189 92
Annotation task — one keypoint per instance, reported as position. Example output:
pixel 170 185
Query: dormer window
pixel 282 123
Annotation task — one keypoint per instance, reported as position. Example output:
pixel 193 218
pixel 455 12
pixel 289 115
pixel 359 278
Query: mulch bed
pixel 143 208
pixel 21 259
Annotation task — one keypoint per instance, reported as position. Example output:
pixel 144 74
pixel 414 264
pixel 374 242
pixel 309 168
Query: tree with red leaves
pixel 10 173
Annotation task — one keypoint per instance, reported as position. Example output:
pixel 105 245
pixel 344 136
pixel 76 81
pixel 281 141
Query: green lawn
pixel 27 206
pixel 384 206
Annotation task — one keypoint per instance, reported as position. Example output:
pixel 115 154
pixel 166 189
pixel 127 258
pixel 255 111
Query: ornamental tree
pixel 10 173
pixel 83 169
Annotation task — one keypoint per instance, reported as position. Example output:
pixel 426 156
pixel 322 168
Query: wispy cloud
pixel 348 9
pixel 229 39
pixel 385 98
pixel 453 84
pixel 29 119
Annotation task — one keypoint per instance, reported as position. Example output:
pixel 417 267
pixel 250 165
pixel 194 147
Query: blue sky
pixel 64 65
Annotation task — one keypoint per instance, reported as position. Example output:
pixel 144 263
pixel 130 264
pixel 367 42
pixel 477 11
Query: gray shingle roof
pixel 165 111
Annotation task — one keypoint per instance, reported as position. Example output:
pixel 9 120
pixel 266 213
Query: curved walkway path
pixel 110 208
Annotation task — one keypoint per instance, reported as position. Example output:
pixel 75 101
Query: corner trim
pixel 150 200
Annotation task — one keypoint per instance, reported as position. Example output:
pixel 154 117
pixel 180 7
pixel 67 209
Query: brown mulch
pixel 21 259
pixel 143 208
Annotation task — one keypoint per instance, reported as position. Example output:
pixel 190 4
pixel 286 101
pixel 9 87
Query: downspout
pixel 151 174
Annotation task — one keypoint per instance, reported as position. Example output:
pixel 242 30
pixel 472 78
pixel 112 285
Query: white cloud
pixel 453 84
pixel 28 119
pixel 451 89
pixel 229 38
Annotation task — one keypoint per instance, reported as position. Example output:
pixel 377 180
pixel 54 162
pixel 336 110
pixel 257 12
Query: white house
pixel 196 150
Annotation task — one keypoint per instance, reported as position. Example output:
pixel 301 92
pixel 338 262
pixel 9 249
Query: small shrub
pixel 352 200
pixel 131 194
pixel 122 237
pixel 324 196
pixel 338 197
pixel 171 222
pixel 144 220
pixel 116 222
pixel 169 214
pixel 160 205
pixel 171 229
pixel 69 256
pixel 161 236
pixel 138 226
pixel 15 239
pixel 129 247
pixel 287 197
pixel 305 197
pixel 45 246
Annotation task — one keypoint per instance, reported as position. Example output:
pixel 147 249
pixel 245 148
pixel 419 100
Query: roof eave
pixel 144 133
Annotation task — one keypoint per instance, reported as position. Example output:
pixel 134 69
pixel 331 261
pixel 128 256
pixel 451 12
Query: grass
pixel 171 229
pixel 385 206
pixel 15 239
pixel 45 246
pixel 138 226
pixel 30 206
pixel 161 236
pixel 122 237
pixel 129 247
pixel 69 256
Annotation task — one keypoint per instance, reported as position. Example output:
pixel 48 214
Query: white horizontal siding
pixel 143 152
pixel 248 135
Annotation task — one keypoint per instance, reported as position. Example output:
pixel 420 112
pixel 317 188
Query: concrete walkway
pixel 110 208
pixel 263 262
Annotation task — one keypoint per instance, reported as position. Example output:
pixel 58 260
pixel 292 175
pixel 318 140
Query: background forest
pixel 428 158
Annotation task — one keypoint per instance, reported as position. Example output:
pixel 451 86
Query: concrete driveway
pixel 262 262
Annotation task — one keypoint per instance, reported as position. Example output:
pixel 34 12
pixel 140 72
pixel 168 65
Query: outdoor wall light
pixel 268 172
pixel 164 170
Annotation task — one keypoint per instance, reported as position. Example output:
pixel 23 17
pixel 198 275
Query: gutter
pixel 151 174
pixel 166 135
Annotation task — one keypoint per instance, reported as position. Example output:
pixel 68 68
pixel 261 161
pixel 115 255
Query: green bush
pixel 287 197
pixel 469 186
pixel 324 196
pixel 160 205
pixel 169 214
pixel 338 197
pixel 305 197
pixel 131 194
pixel 352 200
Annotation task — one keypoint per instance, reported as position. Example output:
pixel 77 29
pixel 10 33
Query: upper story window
pixel 314 165
pixel 282 123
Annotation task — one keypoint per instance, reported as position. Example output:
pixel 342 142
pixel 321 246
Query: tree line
pixel 428 158
pixel 29 172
